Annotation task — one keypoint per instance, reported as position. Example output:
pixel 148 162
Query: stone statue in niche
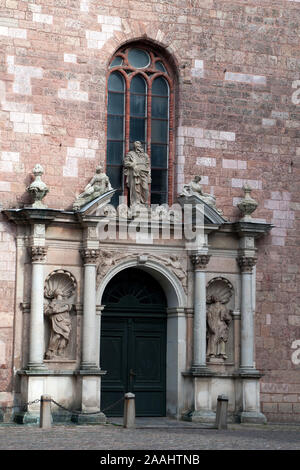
pixel 194 188
pixel 219 292
pixel 59 289
pixel 138 175
pixel 98 185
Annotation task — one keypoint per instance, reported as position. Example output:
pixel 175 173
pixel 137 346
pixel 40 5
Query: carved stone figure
pixel 58 311
pixel 38 189
pixel 219 292
pixel 137 172
pixel 194 187
pixel 98 185
pixel 59 288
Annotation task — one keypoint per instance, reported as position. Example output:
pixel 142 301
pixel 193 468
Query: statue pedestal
pixel 202 412
pixel 73 390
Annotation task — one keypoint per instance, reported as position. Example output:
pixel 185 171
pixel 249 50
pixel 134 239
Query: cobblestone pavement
pixel 163 437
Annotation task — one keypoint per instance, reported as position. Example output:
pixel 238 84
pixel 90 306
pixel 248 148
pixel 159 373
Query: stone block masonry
pixel 235 122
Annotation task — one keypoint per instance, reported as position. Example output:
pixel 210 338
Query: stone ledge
pixel 48 372
pixel 231 375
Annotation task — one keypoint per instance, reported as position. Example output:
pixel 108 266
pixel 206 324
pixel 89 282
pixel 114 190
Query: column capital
pixel 89 255
pixel 200 260
pixel 38 253
pixel 246 263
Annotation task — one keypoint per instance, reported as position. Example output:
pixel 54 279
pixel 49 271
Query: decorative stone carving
pixel 173 262
pixel 248 204
pixel 98 185
pixel 200 261
pixel 89 255
pixel 108 259
pixel 218 293
pixel 60 288
pixel 137 172
pixel 38 189
pixel 38 253
pixel 246 263
pixel 194 188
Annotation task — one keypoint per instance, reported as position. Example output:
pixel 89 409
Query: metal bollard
pixel 45 412
pixel 129 411
pixel 221 415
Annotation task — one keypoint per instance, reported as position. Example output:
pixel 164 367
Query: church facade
pixel 150 205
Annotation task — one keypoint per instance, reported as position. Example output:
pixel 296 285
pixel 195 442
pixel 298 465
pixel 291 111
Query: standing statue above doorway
pixel 137 172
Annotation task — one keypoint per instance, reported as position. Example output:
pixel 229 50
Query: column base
pixel 36 366
pixel 99 418
pixel 198 371
pixel 252 417
pixel 205 417
pixel 26 417
pixel 89 366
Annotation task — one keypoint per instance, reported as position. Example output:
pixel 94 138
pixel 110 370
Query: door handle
pixel 131 373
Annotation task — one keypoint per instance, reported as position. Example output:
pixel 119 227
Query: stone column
pixel 202 408
pixel 89 349
pixel 200 262
pixel 249 375
pixel 247 318
pixel 36 333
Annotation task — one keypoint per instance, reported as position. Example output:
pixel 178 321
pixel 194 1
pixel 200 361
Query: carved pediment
pixel 95 206
pixel 211 215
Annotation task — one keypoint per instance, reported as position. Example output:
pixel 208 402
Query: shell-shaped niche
pixel 60 281
pixel 219 289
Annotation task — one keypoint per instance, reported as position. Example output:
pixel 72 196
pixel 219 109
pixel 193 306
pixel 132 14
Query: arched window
pixel 139 100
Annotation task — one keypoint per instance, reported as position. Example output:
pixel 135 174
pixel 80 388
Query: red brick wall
pixel 236 121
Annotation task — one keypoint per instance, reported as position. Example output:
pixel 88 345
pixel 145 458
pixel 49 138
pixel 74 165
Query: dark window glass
pixel 114 152
pixel 137 105
pixel 117 61
pixel 158 198
pixel 115 82
pixel 160 87
pixel 138 58
pixel 159 131
pixel 159 156
pixel 160 107
pixel 135 100
pixel 115 128
pixel 137 129
pixel 115 103
pixel 160 66
pixel 159 180
pixel 138 85
pixel 115 175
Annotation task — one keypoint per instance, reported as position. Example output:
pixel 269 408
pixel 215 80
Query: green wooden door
pixel 133 344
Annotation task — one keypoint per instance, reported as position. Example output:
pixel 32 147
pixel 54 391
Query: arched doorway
pixel 133 343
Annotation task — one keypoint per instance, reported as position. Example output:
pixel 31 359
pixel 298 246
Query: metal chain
pixel 23 405
pixel 82 412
